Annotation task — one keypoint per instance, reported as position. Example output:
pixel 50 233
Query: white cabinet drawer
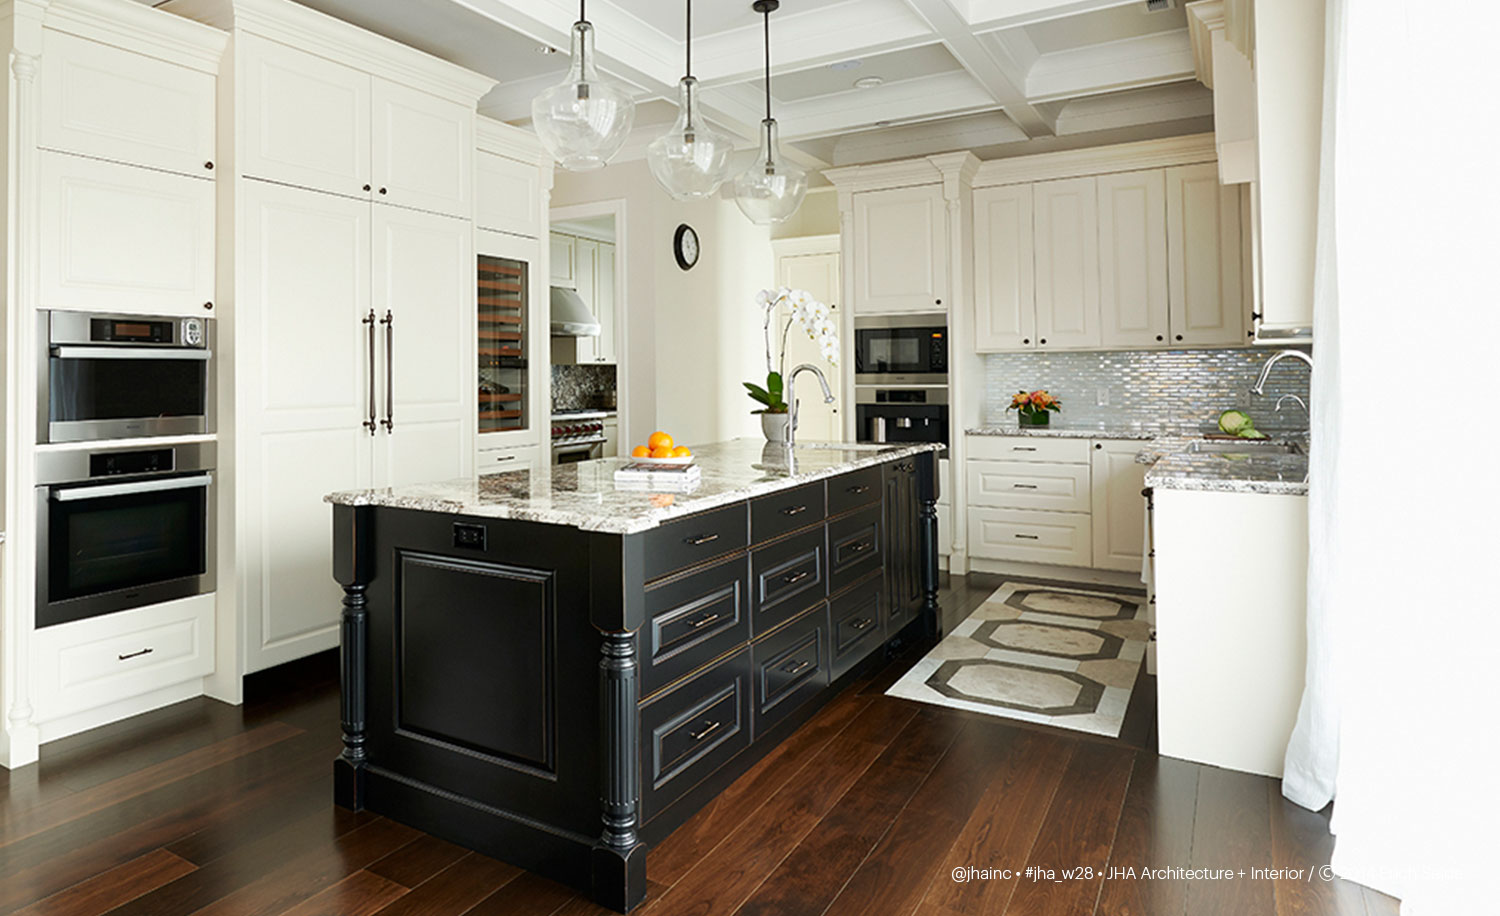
pixel 501 460
pixel 1029 485
pixel 100 660
pixel 1029 448
pixel 1031 536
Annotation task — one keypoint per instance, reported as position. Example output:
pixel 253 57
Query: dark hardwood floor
pixel 867 809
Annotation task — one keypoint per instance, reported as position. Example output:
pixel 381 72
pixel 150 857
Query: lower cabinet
pixel 499 461
pixel 856 624
pixel 1030 535
pixel 791 666
pixel 693 729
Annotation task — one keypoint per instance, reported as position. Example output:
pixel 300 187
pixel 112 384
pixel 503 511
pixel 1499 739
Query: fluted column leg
pixel 619 872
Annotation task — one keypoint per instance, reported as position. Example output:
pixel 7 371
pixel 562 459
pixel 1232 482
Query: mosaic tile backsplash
pixel 1166 389
pixel 581 387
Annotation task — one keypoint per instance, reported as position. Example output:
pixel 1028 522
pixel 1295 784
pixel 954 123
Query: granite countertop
pixel 584 496
pixel 1065 430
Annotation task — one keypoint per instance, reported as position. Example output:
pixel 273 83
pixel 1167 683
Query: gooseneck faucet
pixel 1259 388
pixel 791 398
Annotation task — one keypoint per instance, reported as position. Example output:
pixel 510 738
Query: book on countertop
pixel 677 478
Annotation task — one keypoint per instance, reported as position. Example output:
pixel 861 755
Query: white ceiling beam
pixel 1130 63
pixel 988 15
pixel 908 141
pixel 925 98
pixel 1003 82
pixel 1174 102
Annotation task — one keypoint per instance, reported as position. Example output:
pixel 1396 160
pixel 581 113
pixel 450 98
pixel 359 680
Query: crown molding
pixel 141 29
pixel 503 139
pixel 881 175
pixel 317 33
pixel 1098 160
pixel 805 244
pixel 1204 18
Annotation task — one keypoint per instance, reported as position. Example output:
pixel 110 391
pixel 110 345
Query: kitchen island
pixel 557 672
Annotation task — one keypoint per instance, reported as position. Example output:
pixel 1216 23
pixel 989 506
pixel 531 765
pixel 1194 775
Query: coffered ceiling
pixel 1004 76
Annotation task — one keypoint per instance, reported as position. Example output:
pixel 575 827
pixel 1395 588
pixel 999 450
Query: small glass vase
pixel 1039 418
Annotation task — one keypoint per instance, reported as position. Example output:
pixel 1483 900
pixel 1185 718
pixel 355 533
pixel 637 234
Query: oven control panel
pixel 146 461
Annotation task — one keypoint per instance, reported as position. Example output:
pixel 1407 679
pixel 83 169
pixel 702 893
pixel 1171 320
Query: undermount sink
pixel 1244 447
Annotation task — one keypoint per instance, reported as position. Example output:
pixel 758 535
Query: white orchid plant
pixel 806 312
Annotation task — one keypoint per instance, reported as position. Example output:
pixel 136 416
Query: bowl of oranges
pixel 660 449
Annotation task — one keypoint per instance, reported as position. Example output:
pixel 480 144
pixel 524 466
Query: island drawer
pixel 786 577
pixel 693 729
pixel 774 515
pixel 850 491
pixel 791 666
pixel 855 547
pixel 1028 448
pixel 695 539
pixel 693 619
pixel 855 626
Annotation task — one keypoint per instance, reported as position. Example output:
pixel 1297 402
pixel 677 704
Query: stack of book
pixel 658 478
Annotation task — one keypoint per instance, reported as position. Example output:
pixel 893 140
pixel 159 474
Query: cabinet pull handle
pixel 700 735
pixel 390 386
pixel 796 667
pixel 700 540
pixel 862 488
pixel 861 547
pixel 1024 486
pixel 369 322
pixel 794 578
pixel 1022 448
pixel 1029 537
pixel 705 621
pixel 863 623
pixel 146 651
pixel 794 510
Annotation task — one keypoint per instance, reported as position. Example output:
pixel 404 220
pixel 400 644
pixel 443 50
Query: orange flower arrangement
pixel 1033 403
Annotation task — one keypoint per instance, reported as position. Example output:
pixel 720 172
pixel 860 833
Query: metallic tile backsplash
pixel 1169 389
pixel 581 387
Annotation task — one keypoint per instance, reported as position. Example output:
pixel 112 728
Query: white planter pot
pixel 774 426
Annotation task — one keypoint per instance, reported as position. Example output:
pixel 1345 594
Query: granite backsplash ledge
pixel 1163 389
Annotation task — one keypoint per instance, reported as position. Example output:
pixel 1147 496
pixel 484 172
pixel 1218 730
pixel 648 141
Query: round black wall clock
pixel 685 246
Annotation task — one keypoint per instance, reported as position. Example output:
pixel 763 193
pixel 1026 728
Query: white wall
pixel 818 215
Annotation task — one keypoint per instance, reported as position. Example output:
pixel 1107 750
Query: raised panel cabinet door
pixel 1004 269
pixel 119 238
pixel 422 149
pixel 606 345
pixel 1206 285
pixel 421 279
pixel 102 101
pixel 507 195
pixel 585 257
pixel 817 421
pixel 1133 259
pixel 1067 263
pixel 306 119
pixel 561 263
pixel 1118 507
pixel 900 250
pixel 302 394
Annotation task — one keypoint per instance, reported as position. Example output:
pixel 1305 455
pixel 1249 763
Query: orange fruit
pixel 682 451
pixel 640 451
pixel 661 453
pixel 658 440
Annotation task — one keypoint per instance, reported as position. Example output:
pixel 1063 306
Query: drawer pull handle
pixel 701 539
pixel 705 621
pixel 862 488
pixel 146 651
pixel 794 510
pixel 700 735
pixel 1029 537
pixel 1024 486
pixel 796 667
pixel 794 578
pixel 864 623
pixel 1022 448
pixel 861 547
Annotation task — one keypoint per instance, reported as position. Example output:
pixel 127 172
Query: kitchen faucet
pixel 791 398
pixel 1259 388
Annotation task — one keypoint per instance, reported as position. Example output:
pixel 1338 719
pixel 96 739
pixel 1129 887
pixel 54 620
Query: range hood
pixel 571 316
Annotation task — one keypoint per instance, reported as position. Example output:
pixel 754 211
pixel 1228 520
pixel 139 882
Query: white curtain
pixel 1399 721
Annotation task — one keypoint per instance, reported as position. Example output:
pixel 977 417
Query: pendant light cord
pixel 768 64
pixel 690 39
pixel 582 16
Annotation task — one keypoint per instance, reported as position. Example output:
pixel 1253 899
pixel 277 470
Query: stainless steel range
pixel 577 435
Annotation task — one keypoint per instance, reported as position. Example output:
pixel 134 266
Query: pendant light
pixel 773 187
pixel 692 159
pixel 584 120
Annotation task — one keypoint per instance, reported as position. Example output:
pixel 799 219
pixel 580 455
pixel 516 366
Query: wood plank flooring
pixel 202 808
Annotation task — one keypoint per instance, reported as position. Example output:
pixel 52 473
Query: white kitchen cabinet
pixel 422 149
pixel 900 256
pixel 586 284
pixel 611 447
pixel 562 261
pixel 1029 485
pixel 1118 506
pixel 1030 536
pixel 505 460
pixel 507 195
pixel 422 290
pixel 1067 263
pixel 104 101
pixel 606 345
pixel 306 119
pixel 591 273
pixel 797 267
pixel 1203 242
pixel 1133 302
pixel 1004 269
pixel 118 238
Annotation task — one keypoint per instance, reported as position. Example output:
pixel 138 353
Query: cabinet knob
pixel 1098 445
pixel 367 187
pixel 1256 316
pixel 208 305
pixel 1042 341
pixel 1160 337
pixel 209 166
pixel 939 302
pixel 1026 340
pixel 1179 336
pixel 382 190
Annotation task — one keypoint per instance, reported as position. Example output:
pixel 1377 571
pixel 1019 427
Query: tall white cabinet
pixel 900 261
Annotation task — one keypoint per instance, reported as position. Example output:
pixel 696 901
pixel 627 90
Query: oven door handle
pixel 130 353
pixel 99 491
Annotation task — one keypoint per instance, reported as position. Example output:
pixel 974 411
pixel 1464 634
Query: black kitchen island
pixel 557 672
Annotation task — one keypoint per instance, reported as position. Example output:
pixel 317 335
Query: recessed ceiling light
pixel 847 65
pixel 545 49
pixel 868 82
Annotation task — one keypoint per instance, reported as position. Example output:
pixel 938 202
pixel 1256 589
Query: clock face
pixel 685 246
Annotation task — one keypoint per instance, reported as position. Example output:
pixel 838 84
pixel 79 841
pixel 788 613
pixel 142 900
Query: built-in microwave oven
pixel 901 350
pixel 122 376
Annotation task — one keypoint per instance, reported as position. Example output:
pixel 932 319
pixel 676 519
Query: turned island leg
pixel 619 871
pixel 351 570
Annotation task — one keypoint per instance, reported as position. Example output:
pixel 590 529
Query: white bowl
pixel 685 459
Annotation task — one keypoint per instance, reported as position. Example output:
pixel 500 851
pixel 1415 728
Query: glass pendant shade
pixel 772 188
pixel 692 159
pixel 584 120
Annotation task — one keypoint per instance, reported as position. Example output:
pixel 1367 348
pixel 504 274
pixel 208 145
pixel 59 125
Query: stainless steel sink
pixel 1244 447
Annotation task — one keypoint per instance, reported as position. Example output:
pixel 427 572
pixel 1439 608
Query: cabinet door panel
pixel 900 260
pixel 561 261
pixel 1067 263
pixel 118 238
pixel 1119 509
pixel 507 195
pixel 306 119
pixel 817 421
pixel 1203 244
pixel 607 343
pixel 1133 259
pixel 1004 269
pixel 110 103
pixel 422 149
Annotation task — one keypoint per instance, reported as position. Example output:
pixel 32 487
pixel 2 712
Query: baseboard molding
pixel 64 726
pixel 1110 577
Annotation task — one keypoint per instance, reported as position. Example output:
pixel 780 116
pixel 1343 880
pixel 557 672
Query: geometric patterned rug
pixel 1056 655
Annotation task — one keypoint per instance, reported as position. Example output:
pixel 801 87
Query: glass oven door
pixel 117 392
